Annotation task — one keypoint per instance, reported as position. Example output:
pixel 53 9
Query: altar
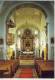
pixel 26 58
pixel 27 42
pixel 27 55
pixel 28 52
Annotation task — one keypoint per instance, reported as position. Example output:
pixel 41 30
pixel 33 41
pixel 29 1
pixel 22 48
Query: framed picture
pixel 52 40
pixel 1 41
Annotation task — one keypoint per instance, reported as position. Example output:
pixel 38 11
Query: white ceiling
pixel 30 16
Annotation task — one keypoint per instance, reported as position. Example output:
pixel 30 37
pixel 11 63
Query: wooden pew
pixel 12 63
pixel 8 67
pixel 45 69
pixel 5 70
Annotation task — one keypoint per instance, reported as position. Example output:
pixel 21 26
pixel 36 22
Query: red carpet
pixel 25 73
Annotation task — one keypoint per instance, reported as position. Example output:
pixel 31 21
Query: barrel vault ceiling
pixel 25 16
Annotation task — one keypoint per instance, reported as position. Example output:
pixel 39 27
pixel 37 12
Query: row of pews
pixel 8 68
pixel 45 69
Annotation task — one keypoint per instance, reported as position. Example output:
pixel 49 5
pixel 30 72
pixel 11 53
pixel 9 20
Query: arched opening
pixel 30 19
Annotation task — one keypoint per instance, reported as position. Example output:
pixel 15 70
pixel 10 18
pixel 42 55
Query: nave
pixel 13 69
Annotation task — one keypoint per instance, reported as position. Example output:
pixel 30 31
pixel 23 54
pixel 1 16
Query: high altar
pixel 27 42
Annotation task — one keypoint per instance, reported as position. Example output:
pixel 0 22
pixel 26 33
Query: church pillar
pixel 5 51
pixel 15 44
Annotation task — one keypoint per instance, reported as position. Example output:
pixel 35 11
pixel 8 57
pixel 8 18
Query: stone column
pixel 5 48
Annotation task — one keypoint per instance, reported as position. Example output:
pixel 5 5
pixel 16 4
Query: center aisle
pixel 26 73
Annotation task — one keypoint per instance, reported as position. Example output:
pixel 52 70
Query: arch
pixel 29 26
pixel 25 4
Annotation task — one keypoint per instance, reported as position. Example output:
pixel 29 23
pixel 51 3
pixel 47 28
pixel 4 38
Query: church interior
pixel 26 39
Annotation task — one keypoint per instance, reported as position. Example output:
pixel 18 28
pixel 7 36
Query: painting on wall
pixel 1 41
pixel 52 40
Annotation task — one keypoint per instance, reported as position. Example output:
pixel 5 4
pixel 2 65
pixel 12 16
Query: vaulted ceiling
pixel 26 16
pixel 29 16
pixel 4 4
